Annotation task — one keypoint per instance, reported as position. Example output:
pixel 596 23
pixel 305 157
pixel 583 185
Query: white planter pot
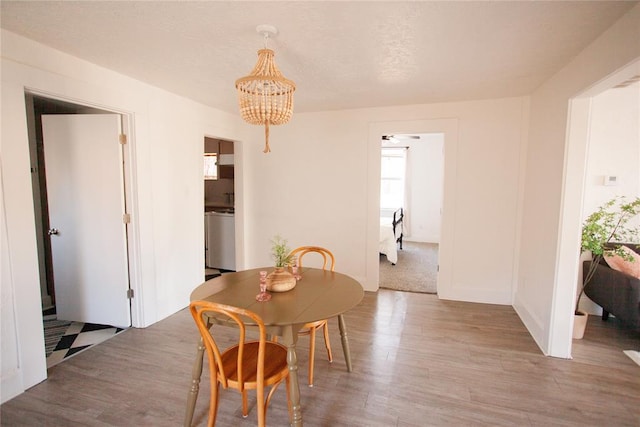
pixel 579 324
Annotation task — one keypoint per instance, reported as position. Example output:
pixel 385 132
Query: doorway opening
pixel 219 207
pixel 411 196
pixel 76 313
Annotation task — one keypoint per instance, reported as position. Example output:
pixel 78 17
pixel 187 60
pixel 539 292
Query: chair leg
pixel 327 342
pixel 245 404
pixel 261 407
pixel 213 404
pixel 312 352
pixel 289 407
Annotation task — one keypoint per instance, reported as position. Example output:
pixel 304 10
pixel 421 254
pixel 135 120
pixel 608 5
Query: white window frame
pixel 393 152
pixel 211 166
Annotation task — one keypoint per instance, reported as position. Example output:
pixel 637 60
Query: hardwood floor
pixel 418 361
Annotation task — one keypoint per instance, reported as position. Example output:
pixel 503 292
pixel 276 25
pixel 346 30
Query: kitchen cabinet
pixel 225 147
pixel 225 171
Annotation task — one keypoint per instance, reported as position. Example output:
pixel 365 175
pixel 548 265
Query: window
pixel 211 166
pixel 392 177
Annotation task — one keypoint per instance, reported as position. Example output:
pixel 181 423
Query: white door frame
pixel 448 127
pixel 568 260
pixel 130 197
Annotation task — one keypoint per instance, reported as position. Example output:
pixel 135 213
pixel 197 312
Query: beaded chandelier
pixel 265 95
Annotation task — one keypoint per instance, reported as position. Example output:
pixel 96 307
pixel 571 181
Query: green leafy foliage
pixel 608 224
pixel 280 252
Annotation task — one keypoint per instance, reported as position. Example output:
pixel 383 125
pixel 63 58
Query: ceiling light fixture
pixel 390 138
pixel 394 139
pixel 265 95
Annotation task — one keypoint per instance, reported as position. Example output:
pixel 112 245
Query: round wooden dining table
pixel 318 294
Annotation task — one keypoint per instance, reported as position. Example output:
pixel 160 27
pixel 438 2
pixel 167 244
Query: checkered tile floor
pixel 76 338
pixel 210 273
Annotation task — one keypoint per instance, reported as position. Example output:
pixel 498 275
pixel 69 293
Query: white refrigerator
pixel 220 240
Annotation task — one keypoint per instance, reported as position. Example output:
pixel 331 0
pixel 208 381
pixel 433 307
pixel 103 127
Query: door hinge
pixel 123 138
pixel 126 218
pixel 129 293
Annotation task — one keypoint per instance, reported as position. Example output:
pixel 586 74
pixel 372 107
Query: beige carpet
pixel 415 271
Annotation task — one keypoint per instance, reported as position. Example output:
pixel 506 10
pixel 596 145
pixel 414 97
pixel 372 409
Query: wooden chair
pixel 248 365
pixel 311 328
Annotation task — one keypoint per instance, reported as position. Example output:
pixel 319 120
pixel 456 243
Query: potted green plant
pixel 281 279
pixel 608 224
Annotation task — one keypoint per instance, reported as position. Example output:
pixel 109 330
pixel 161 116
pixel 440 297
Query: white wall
pixel 320 185
pixel 425 170
pixel 168 203
pixel 613 149
pixel 549 250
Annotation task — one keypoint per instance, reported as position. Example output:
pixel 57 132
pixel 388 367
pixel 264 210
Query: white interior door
pixel 83 162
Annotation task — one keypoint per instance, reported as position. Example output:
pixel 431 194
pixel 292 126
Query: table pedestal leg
pixel 345 341
pixel 289 339
pixel 196 373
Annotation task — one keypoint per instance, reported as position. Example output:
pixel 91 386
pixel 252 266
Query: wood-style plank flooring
pixel 418 361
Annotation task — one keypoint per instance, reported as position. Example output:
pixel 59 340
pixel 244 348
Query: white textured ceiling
pixel 341 54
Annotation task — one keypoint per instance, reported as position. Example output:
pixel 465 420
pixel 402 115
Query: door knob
pixel 53 231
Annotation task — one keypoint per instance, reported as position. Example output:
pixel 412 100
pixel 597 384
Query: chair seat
pixel 306 329
pixel 275 364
